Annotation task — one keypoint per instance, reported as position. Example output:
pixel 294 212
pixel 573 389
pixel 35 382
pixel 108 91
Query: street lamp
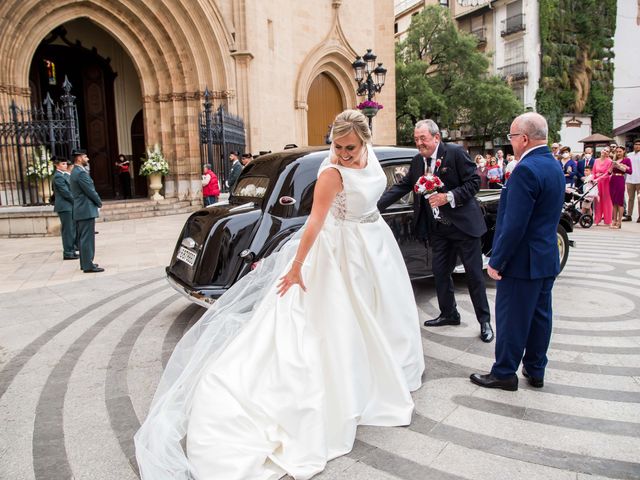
pixel 365 69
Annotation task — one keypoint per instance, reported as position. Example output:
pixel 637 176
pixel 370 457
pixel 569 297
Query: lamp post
pixel 365 69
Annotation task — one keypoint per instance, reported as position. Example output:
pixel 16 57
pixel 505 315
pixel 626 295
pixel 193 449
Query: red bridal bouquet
pixel 428 185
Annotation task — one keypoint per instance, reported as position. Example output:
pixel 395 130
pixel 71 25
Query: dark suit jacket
pixel 236 170
pixel 458 173
pixel 62 190
pixel 86 200
pixel 525 244
pixel 581 165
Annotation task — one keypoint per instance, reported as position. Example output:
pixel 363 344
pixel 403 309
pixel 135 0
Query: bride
pixel 322 337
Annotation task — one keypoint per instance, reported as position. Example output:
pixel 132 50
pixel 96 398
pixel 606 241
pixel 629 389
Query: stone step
pixel 131 209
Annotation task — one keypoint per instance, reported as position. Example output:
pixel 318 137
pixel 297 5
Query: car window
pixel 251 187
pixel 395 173
pixel 297 191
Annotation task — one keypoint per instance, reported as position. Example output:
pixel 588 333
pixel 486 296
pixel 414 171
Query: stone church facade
pixel 139 70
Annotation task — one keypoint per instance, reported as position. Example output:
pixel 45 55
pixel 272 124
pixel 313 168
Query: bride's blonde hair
pixel 351 121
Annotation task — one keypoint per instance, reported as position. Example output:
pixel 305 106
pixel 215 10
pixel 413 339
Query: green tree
pixel 440 74
pixel 577 67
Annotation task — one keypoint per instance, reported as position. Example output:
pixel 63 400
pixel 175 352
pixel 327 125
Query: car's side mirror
pixel 286 201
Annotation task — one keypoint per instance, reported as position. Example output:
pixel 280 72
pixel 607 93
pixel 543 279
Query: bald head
pixel 533 125
pixel 528 131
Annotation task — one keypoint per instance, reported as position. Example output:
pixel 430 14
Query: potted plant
pixel 40 171
pixel 154 166
pixel 370 108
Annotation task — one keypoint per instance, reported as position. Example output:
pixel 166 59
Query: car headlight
pixel 188 242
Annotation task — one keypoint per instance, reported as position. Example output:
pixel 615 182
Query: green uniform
pixel 86 202
pixel 64 208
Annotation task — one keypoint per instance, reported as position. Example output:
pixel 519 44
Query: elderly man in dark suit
pixel 86 202
pixel 459 227
pixel 63 206
pixel 525 260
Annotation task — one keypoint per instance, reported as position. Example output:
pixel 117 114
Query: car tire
pixel 563 246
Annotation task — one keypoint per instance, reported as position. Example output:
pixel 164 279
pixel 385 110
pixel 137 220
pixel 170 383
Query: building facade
pixel 139 71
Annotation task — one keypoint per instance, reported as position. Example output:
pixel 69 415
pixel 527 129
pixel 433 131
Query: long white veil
pixel 159 442
pixel 159 450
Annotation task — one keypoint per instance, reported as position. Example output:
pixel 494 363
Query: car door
pixel 399 217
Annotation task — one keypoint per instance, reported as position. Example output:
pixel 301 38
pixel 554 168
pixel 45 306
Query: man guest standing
pixel 64 208
pixel 86 202
pixel 458 229
pixel 525 259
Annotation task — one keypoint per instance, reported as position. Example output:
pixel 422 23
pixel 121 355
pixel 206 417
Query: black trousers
pixel 447 243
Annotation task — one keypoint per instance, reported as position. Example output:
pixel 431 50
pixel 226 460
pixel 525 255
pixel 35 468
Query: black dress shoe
pixel 71 257
pixel 489 381
pixel 95 269
pixel 442 320
pixel 533 381
pixel 626 218
pixel 486 332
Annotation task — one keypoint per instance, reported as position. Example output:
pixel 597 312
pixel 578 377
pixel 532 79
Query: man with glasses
pixel 525 260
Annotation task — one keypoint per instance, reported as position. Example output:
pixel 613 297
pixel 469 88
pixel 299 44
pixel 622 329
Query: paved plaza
pixel 80 355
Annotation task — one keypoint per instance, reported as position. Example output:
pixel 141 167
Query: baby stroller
pixel 575 201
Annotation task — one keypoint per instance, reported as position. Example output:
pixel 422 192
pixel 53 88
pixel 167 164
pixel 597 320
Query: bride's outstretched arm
pixel 327 187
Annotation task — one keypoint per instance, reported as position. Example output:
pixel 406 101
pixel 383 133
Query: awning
pixel 596 138
pixel 627 127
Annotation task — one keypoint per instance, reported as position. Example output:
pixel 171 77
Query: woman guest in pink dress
pixel 620 167
pixel 602 175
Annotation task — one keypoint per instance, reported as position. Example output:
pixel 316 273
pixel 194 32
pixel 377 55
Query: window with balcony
pixel 479 30
pixel 515 66
pixel 515 19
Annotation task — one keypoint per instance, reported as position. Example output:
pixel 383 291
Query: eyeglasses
pixel 511 135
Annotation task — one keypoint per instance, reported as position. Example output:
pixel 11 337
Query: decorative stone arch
pixel 165 44
pixel 333 61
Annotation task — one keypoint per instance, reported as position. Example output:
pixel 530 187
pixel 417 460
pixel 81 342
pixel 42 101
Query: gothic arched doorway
pixel 324 102
pixel 92 60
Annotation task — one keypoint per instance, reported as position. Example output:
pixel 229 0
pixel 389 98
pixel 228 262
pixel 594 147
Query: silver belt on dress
pixel 369 218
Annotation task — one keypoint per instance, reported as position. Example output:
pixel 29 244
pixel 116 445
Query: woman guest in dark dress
pixel 481 170
pixel 122 165
pixel 620 167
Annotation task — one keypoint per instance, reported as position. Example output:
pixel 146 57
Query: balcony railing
pixel 514 71
pixel 481 34
pixel 513 24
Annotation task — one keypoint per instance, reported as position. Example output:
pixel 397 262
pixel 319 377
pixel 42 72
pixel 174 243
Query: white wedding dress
pixel 264 386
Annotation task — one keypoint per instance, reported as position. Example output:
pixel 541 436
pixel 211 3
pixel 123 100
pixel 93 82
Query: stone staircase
pixel 113 210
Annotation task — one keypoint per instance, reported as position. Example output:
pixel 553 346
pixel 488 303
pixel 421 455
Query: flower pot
pixel 370 111
pixel 155 184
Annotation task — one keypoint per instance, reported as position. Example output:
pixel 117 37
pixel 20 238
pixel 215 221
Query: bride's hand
pixel 293 276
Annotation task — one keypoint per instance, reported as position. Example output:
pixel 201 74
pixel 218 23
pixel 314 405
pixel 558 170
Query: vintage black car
pixel 271 200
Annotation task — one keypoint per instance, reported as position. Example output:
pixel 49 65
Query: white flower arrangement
pixel 41 165
pixel 154 162
pixel 252 191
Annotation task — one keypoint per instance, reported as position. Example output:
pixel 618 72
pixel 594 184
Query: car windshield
pixel 251 186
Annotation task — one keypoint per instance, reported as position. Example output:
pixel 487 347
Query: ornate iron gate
pixel 28 139
pixel 220 134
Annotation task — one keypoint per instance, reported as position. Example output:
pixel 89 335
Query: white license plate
pixel 187 256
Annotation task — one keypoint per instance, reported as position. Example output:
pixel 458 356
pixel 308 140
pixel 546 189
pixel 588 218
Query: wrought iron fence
pixel 29 137
pixel 220 134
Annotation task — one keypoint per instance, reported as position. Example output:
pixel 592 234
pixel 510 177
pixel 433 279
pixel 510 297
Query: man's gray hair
pixel 430 124
pixel 207 166
pixel 533 125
